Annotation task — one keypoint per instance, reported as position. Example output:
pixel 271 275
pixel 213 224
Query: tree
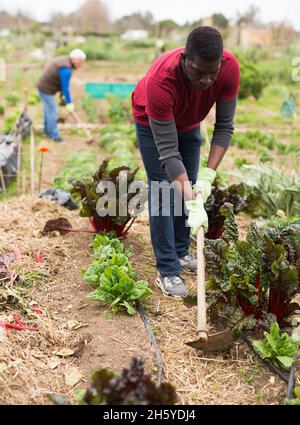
pixel 219 20
pixel 165 27
pixel 92 16
pixel 250 17
pixel 135 21
pixel 58 20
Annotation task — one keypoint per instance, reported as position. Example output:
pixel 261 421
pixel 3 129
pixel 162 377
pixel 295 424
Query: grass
pixel 257 119
pixel 249 375
pixel 11 191
pixel 259 397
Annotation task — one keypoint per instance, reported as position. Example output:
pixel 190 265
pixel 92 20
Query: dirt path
pixel 32 364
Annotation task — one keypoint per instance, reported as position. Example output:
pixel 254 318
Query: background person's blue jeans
pixel 170 235
pixel 50 115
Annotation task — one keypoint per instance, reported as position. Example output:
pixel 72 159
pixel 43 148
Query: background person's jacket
pixel 56 77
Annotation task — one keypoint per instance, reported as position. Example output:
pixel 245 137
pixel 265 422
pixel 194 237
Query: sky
pixel 180 11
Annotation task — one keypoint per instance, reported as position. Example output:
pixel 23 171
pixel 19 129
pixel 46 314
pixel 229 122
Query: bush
pixel 252 79
pixel 33 99
pixel 10 120
pixel 13 98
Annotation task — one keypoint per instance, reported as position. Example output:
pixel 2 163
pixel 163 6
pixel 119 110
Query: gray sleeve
pixel 166 140
pixel 224 125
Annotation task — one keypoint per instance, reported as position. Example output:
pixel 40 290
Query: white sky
pixel 181 11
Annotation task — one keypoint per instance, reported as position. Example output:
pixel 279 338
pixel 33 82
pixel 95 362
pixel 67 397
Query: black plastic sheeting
pixel 62 197
pixel 8 158
pixel 9 147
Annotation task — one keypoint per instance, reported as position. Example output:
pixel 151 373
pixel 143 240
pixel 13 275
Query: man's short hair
pixel 204 42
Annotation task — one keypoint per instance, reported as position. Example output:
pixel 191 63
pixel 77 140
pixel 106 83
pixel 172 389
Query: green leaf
pixel 286 362
pixel 297 392
pixel 296 338
pixel 130 310
pixel 262 348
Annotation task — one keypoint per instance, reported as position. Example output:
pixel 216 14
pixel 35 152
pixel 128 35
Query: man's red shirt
pixel 165 94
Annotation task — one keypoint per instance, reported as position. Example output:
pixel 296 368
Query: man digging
pixel 55 78
pixel 168 104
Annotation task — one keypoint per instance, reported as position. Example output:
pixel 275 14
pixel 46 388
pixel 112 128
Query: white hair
pixel 78 54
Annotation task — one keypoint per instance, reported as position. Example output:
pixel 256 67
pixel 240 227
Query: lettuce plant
pixel 114 276
pixel 278 347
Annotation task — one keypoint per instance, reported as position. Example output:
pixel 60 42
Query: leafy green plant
pixel 264 156
pixel 253 140
pixel 114 275
pixel 131 387
pixel 80 165
pixel 13 98
pixel 107 253
pixel 119 110
pixel 89 192
pixel 119 140
pixel 89 107
pixel 270 190
pixel 278 347
pixel 258 277
pixel 33 99
pixel 117 288
pixel 10 120
pixel 288 149
pixel 281 222
pixel 219 197
pixel 239 162
pixel 2 109
pixel 110 241
pixel 252 79
pixel 294 401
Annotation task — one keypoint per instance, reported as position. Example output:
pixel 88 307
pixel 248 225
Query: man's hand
pixel 204 181
pixel 197 215
pixel 70 107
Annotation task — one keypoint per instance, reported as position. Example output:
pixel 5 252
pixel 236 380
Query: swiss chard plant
pixel 90 191
pixel 278 347
pixel 234 195
pixel 132 387
pixel 254 279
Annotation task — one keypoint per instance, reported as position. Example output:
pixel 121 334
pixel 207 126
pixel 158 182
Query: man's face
pixel 77 62
pixel 201 72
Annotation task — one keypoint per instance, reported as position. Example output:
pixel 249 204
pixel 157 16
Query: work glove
pixel 70 107
pixel 62 100
pixel 197 215
pixel 204 181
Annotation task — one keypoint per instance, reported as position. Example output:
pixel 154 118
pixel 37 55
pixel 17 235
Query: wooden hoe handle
pixel 201 302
